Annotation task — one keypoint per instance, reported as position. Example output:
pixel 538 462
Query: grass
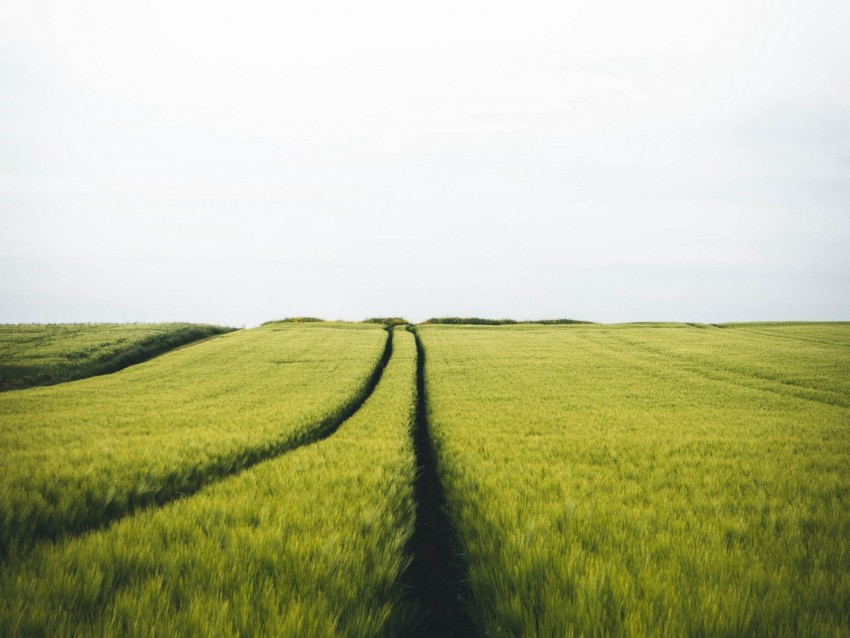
pixel 80 454
pixel 34 355
pixel 647 480
pixel 312 543
pixel 625 480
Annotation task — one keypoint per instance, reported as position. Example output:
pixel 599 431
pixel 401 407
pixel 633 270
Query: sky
pixel 240 162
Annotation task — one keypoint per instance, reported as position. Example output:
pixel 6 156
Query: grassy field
pixel 645 480
pixel 79 454
pixel 313 543
pixel 624 480
pixel 38 354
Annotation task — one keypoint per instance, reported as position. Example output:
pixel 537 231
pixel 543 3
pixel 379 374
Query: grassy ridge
pixel 34 355
pixel 79 454
pixel 309 544
pixel 647 480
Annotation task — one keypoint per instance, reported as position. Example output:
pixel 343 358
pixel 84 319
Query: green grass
pixel 645 480
pixel 79 454
pixel 312 543
pixel 39 354
pixel 626 480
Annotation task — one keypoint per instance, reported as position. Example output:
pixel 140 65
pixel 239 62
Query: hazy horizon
pixel 612 162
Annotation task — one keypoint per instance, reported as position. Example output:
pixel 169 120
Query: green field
pixel 309 544
pixel 79 454
pixel 35 354
pixel 622 480
pixel 648 479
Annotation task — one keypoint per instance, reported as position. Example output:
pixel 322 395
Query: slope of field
pixel 38 354
pixel 809 361
pixel 312 543
pixel 78 454
pixel 647 480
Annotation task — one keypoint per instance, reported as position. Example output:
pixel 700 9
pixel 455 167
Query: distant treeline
pixel 478 321
pixel 389 321
pixel 294 320
pixel 470 321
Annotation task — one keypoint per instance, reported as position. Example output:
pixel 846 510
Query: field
pixel 647 480
pixel 79 454
pixel 312 543
pixel 33 354
pixel 326 479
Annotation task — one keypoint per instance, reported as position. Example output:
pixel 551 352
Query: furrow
pixel 438 573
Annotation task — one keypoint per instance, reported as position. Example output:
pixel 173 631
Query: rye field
pixel 38 354
pixel 453 478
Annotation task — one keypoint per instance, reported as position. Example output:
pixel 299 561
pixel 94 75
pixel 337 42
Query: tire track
pixel 438 573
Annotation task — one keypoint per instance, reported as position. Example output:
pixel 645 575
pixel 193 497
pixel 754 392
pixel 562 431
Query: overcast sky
pixel 239 162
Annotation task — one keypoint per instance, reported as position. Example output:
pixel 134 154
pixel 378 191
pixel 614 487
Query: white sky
pixel 238 162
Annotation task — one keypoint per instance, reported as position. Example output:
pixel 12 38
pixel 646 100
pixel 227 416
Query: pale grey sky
pixel 238 162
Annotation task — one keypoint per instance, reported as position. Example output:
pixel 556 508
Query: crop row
pixel 80 454
pixel 311 543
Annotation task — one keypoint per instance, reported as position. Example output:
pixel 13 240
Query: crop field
pixel 647 479
pixel 78 454
pixel 312 543
pixel 311 478
pixel 32 354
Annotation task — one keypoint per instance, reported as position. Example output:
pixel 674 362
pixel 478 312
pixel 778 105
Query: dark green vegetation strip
pixel 81 455
pixel 647 480
pixel 46 354
pixel 295 320
pixel 478 321
pixel 385 321
pixel 438 572
pixel 312 543
pixel 389 321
